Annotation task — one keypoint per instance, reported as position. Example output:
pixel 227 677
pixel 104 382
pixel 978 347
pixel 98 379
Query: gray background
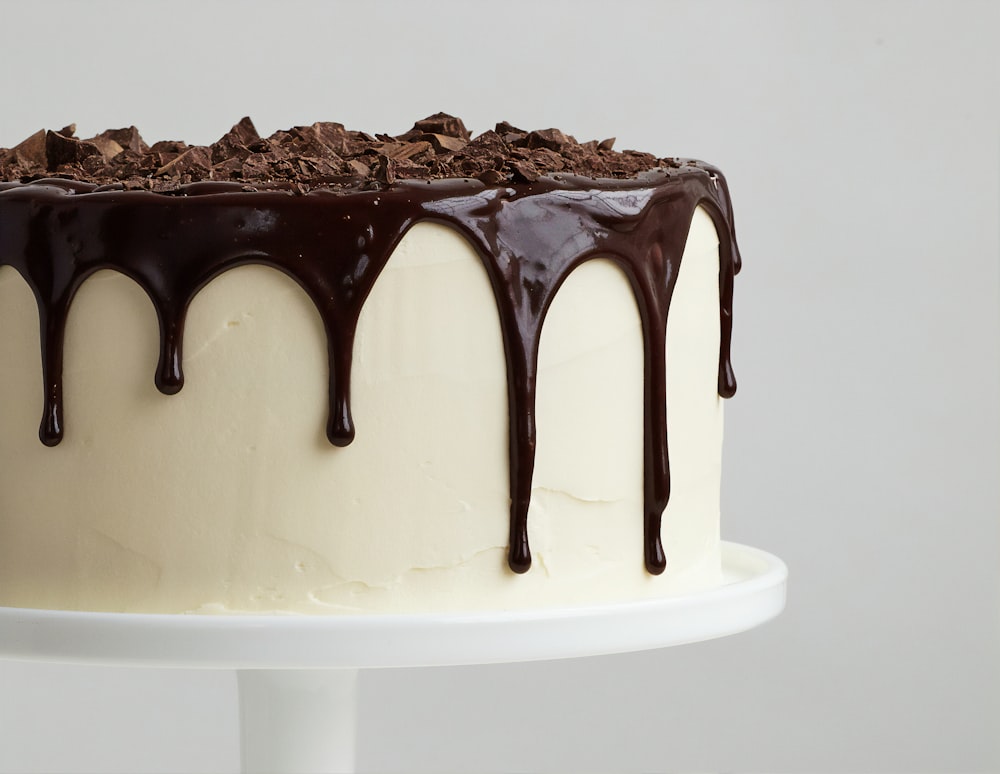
pixel 861 144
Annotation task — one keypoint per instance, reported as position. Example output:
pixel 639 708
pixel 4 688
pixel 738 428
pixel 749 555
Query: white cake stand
pixel 297 675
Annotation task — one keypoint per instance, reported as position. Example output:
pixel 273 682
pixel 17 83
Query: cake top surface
pixel 323 155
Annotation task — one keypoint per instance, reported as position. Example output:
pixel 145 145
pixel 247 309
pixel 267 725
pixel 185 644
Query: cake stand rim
pixel 753 592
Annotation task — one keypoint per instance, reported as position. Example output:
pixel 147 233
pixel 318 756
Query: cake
pixel 334 372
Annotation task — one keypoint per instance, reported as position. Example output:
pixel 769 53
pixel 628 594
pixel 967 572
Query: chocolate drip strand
pixel 53 325
pixel 521 366
pixel 340 425
pixel 169 373
pixel 530 237
pixel 729 265
pixel 652 311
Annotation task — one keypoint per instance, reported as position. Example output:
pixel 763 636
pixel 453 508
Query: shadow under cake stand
pixel 297 675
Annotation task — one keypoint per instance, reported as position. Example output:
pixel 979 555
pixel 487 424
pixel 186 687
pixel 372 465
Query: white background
pixel 861 144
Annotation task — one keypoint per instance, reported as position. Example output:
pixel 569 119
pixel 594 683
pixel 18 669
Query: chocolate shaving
pixel 525 172
pixel 235 144
pixel 443 143
pixel 442 123
pixel 169 146
pixel 66 150
pixel 128 138
pixel 324 154
pixel 405 150
pixel 332 136
pixel 490 177
pixel 552 139
pixel 108 147
pixel 385 170
pixel 359 168
pixel 30 152
pixel 195 163
pixel 504 128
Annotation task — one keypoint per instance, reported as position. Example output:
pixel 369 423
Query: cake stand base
pixel 297 675
pixel 297 721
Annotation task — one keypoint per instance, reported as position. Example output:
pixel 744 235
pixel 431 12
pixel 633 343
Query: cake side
pixel 241 504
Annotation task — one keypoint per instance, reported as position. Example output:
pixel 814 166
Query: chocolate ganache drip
pixel 335 241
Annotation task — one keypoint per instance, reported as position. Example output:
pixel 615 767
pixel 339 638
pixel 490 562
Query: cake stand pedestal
pixel 297 675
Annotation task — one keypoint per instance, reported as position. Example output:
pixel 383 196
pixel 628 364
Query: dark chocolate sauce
pixel 334 243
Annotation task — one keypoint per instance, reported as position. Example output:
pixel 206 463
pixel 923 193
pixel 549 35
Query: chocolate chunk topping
pixel 552 139
pixel 236 143
pixel 30 153
pixel 195 163
pixel 128 138
pixel 525 172
pixel 109 148
pixel 385 170
pixel 443 143
pixel 442 123
pixel 406 150
pixel 64 149
pixel 323 155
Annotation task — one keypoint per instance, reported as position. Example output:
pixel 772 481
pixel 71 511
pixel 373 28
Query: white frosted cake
pixel 412 388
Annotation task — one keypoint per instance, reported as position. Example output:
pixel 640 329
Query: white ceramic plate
pixel 753 592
